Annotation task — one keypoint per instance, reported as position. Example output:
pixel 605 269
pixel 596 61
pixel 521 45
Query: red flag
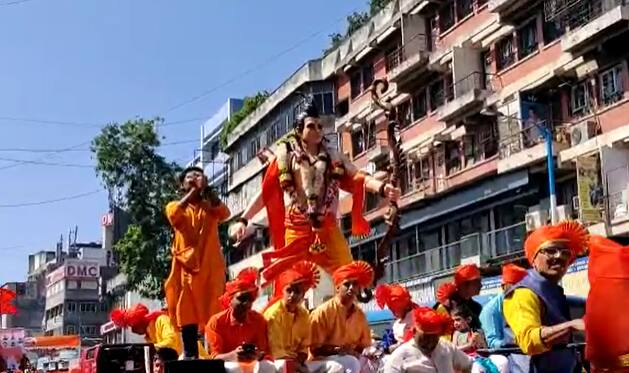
pixel 6 298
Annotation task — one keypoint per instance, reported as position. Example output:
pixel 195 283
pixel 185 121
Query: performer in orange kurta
pixel 197 276
pixel 606 324
pixel 300 191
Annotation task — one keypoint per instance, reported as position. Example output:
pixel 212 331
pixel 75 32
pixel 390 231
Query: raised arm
pixel 238 230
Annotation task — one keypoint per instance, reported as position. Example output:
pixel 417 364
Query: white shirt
pixel 400 326
pixel 446 358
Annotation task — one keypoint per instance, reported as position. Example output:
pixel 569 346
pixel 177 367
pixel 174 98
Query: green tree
pixel 249 105
pixel 140 181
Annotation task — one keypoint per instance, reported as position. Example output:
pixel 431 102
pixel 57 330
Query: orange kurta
pixel 197 276
pixel 224 333
pixel 331 324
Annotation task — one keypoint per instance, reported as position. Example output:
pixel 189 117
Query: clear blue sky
pixel 93 62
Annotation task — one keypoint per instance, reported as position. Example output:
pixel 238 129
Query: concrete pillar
pixel 465 62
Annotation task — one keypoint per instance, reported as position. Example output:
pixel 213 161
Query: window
pixel 342 108
pixel 214 150
pixel 254 147
pixel 324 102
pixel 505 53
pixel 446 16
pixel 527 39
pixel 453 156
pixel 70 330
pixel 92 285
pixel 371 134
pixel 405 114
pixel 420 108
pixel 464 8
pixel 437 95
pixel 72 285
pixel 367 76
pixel 580 102
pixel 71 306
pixel 355 84
pixel 358 143
pixel 552 29
pixel 611 85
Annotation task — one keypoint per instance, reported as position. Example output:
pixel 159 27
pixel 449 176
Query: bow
pixel 391 217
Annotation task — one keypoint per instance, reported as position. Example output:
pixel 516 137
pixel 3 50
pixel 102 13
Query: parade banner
pixel 575 282
pixel 587 182
pixel 12 345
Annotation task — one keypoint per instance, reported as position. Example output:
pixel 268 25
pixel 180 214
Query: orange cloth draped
pixel 292 235
pixel 607 326
pixel 197 276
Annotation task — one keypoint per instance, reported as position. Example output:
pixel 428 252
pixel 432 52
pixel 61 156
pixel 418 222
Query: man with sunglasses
pixel 536 308
pixel 288 324
pixel 338 327
pixel 300 192
pixel 238 335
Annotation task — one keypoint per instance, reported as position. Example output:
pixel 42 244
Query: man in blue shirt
pixel 497 332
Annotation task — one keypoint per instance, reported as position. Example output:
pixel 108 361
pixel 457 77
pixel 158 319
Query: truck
pixel 117 358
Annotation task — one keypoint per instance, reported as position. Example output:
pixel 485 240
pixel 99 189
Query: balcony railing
pixel 504 241
pixel 576 13
pixel 433 260
pixel 526 138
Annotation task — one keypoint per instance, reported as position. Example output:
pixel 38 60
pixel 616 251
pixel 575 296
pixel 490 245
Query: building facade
pixel 476 84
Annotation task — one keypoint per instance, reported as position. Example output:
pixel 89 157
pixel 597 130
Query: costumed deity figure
pixel 289 325
pixel 238 334
pixel 607 325
pixel 398 300
pixel 427 351
pixel 338 327
pixel 156 327
pixel 536 308
pixel 300 191
pixel 197 275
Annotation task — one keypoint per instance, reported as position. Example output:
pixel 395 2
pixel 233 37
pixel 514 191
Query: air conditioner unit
pixel 564 212
pixel 535 219
pixel 582 132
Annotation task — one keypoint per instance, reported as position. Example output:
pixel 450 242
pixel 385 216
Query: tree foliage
pixel 355 21
pixel 249 105
pixel 140 181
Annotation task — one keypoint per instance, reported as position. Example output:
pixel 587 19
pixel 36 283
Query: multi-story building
pixel 477 84
pixel 30 308
pixel 209 155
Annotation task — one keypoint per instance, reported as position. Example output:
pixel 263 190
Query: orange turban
pixel 570 234
pixel 246 281
pixel 396 297
pixel 512 274
pixel 445 292
pixel 465 273
pixel 134 316
pixel 303 272
pixel 356 270
pixel 431 321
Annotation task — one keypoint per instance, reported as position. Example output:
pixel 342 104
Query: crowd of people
pixel 300 192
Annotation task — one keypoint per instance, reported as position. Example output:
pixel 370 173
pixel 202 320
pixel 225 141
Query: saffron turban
pixel 445 292
pixel 135 316
pixel 465 273
pixel 569 234
pixel 430 321
pixel 512 274
pixel 303 272
pixel 245 281
pixel 396 297
pixel 359 271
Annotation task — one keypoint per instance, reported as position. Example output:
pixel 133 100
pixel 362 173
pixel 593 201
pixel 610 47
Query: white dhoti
pixel 350 363
pixel 263 366
pixel 319 366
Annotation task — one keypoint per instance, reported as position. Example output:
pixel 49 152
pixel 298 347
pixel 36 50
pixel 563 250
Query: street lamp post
pixel 547 132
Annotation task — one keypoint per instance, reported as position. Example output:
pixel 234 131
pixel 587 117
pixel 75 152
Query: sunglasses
pixel 555 252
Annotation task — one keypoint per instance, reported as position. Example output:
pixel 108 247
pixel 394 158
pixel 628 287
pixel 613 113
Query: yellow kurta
pixel 197 276
pixel 442 309
pixel 162 334
pixel 331 324
pixel 522 311
pixel 289 333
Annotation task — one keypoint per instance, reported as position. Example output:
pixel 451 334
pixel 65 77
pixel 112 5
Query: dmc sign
pixel 74 270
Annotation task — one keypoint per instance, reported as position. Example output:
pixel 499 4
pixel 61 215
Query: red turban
pixel 245 281
pixel 512 274
pixel 396 297
pixel 356 270
pixel 431 321
pixel 465 273
pixel 445 292
pixel 134 316
pixel 570 234
pixel 303 272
